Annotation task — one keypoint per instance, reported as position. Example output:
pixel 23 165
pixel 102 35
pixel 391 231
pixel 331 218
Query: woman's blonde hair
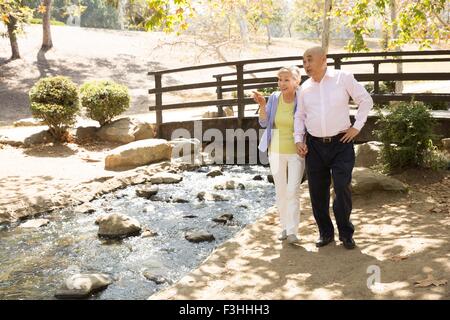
pixel 294 71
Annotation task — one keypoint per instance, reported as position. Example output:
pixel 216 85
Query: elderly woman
pixel 286 165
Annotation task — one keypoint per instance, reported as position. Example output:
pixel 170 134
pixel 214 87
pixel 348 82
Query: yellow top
pixel 283 133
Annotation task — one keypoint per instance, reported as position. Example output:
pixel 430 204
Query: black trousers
pixel 325 161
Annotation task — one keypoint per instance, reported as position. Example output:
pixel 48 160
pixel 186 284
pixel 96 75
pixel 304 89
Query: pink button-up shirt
pixel 322 107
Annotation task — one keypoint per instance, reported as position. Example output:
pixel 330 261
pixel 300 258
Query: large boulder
pixel 126 130
pixel 83 285
pixel 214 172
pixel 199 236
pixel 117 226
pixel 42 137
pixel 138 153
pixel 147 191
pixel 86 133
pixel 182 147
pixel 165 178
pixel 365 181
pixel 35 223
pixel 224 218
pixel 29 122
pixel 367 154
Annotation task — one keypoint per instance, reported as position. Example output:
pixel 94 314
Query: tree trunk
pixel 326 25
pixel 12 26
pixel 289 28
pixel 121 13
pixel 47 43
pixel 269 38
pixel 393 6
pixel 243 26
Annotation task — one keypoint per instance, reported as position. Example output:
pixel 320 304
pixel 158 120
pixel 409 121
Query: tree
pixel 46 9
pixel 14 15
pixel 263 13
pixel 316 17
pixel 417 22
pixel 326 24
pixel 168 15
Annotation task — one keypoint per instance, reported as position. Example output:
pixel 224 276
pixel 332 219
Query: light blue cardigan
pixel 271 111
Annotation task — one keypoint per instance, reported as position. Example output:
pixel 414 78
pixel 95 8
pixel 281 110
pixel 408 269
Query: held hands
pixel 302 149
pixel 350 134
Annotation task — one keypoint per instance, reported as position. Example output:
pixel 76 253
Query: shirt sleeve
pixel 361 97
pixel 299 118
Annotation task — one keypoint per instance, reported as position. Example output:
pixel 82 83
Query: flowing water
pixel 35 263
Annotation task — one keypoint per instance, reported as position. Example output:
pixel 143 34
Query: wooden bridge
pixel 239 82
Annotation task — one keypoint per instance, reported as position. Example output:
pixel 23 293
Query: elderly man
pixel 323 132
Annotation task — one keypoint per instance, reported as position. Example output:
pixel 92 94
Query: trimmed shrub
pixel 56 101
pixel 406 132
pixel 104 99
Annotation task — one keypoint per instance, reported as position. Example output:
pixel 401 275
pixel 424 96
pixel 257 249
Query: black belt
pixel 327 139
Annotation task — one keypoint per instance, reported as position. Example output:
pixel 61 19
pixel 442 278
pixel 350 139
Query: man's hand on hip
pixel 350 134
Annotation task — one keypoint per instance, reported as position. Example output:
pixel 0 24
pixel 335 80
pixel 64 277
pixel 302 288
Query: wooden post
pixel 376 83
pixel 337 63
pixel 158 103
pixel 219 95
pixel 240 93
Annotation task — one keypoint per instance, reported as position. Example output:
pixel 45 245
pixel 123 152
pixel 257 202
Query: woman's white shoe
pixel 282 235
pixel 292 238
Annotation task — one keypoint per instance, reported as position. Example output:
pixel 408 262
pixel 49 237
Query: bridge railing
pixel 236 81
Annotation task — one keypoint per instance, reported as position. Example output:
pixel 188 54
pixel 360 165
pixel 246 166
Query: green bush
pixel 264 91
pixel 437 105
pixel 104 99
pixel 267 91
pixel 56 101
pixel 385 87
pixel 406 132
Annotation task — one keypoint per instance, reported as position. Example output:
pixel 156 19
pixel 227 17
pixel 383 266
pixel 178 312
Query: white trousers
pixel 287 171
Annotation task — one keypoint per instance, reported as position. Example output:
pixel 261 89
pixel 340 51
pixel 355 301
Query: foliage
pixel 104 99
pixel 385 87
pixel 419 22
pixel 55 100
pixel 165 15
pixel 14 12
pixel 99 14
pixel 406 132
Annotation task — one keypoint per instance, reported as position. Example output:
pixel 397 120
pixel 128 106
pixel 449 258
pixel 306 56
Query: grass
pixel 52 22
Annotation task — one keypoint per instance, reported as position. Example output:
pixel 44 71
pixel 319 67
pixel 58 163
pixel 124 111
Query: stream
pixel 36 262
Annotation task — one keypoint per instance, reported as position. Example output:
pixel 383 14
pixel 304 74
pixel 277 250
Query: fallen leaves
pixel 430 281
